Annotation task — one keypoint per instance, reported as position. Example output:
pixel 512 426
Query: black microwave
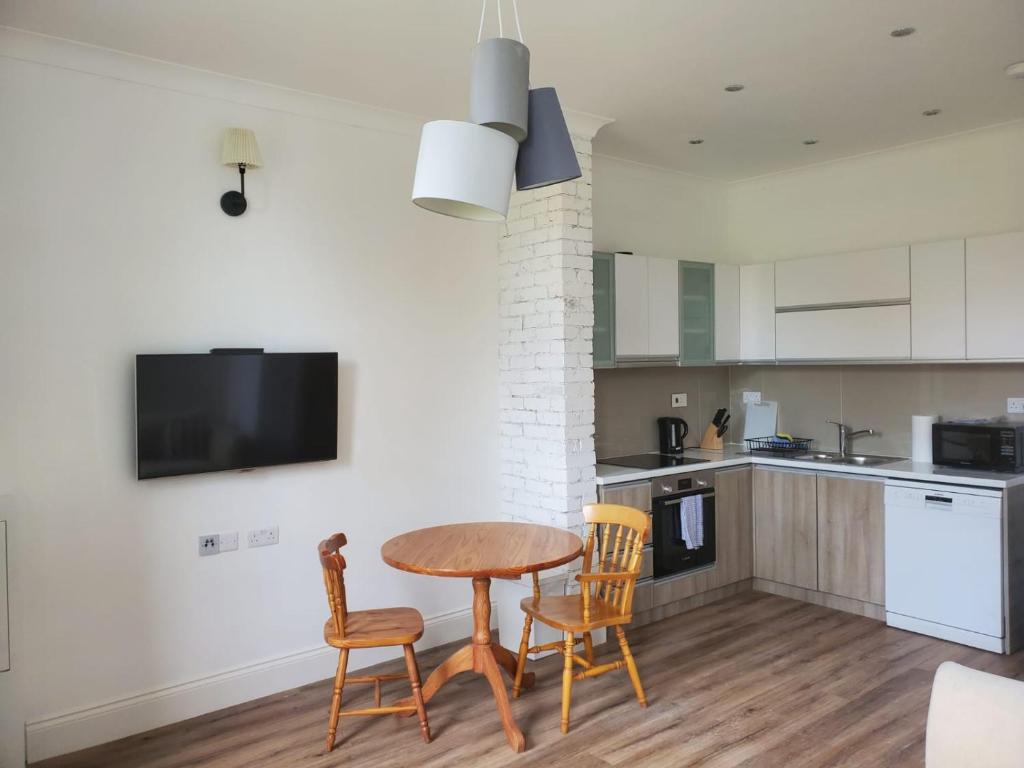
pixel 997 446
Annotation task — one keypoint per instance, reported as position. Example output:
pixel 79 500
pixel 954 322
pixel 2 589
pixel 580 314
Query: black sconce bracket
pixel 233 203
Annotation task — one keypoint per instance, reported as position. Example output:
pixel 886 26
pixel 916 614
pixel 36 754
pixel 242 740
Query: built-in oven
pixel 683 511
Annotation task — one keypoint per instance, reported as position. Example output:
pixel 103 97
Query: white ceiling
pixel 826 69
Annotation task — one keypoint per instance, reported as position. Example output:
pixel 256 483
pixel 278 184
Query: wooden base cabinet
pixel 734 521
pixel 851 537
pixel 821 532
pixel 786 527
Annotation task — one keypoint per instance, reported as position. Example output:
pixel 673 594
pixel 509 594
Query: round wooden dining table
pixel 482 551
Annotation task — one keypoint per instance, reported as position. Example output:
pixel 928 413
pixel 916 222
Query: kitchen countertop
pixel 735 456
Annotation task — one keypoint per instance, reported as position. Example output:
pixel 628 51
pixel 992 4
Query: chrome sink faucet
pixel 845 435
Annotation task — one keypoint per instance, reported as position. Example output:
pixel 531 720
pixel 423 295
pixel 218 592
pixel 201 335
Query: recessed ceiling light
pixel 903 32
pixel 1016 71
pixel 931 112
pixel 810 142
pixel 734 87
pixel 696 141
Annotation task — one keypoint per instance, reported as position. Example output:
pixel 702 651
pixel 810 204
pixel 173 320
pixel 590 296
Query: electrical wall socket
pixel 751 397
pixel 229 541
pixel 263 537
pixel 1015 405
pixel 679 401
pixel 209 544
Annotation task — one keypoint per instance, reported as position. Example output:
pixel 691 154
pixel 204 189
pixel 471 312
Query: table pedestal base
pixel 485 658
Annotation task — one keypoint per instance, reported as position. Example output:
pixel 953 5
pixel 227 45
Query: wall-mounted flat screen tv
pixel 235 410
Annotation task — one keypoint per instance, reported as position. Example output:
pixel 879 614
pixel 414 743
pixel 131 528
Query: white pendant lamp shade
pixel 500 85
pixel 464 170
pixel 240 148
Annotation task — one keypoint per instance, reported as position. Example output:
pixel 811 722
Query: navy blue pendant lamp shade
pixel 546 155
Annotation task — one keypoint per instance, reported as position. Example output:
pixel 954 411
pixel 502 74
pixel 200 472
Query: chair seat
pixel 565 612
pixel 376 628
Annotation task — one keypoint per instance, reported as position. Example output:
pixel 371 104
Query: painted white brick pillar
pixel 546 305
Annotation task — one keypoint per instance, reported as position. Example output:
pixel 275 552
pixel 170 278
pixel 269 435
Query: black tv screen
pixel 212 412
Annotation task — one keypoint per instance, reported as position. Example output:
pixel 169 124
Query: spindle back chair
pixel 612 558
pixel 376 628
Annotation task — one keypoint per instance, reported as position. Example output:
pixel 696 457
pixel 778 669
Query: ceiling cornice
pixel 584 124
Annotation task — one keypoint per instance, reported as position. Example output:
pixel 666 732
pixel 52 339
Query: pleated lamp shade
pixel 546 156
pixel 499 86
pixel 240 148
pixel 464 170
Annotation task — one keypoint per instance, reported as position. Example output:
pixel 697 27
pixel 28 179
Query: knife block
pixel 711 441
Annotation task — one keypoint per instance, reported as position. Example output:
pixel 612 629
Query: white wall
pixel 954 187
pixel 114 244
pixel 656 212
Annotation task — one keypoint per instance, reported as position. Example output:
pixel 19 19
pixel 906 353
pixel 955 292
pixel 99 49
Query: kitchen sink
pixel 849 459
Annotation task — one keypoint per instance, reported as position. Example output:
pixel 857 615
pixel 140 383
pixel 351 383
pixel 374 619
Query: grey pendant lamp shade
pixel 546 156
pixel 498 95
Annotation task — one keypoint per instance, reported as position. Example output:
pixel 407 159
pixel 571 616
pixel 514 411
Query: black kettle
pixel 671 433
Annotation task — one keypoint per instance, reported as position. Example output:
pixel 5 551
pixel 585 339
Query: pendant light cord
pixel 501 26
pixel 483 14
pixel 519 29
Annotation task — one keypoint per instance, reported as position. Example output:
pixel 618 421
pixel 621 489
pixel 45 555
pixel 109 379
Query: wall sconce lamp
pixel 239 148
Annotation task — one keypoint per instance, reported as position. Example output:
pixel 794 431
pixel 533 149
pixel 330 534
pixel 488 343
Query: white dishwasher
pixel 944 562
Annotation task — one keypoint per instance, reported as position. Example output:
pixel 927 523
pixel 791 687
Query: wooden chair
pixel 346 630
pixel 605 600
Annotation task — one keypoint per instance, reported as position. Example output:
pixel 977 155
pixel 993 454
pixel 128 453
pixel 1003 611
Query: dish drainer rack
pixel 778 445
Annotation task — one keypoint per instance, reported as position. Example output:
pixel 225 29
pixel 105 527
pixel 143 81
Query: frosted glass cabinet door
pixel 995 311
pixel 696 312
pixel 631 306
pixel 604 310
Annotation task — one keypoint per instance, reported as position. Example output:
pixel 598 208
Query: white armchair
pixel 975 720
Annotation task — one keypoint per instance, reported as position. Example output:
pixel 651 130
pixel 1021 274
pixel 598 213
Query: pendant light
pixel 464 170
pixel 546 156
pixel 500 82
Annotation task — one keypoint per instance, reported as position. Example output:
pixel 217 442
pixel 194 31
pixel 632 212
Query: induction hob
pixel 652 461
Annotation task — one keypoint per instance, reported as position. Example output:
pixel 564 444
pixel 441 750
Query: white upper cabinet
pixel 646 307
pixel 663 307
pixel 757 311
pixel 995 309
pixel 727 312
pixel 866 277
pixel 632 316
pixel 853 333
pixel 937 294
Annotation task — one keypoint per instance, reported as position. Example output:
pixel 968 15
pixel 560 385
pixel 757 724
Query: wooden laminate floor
pixel 753 680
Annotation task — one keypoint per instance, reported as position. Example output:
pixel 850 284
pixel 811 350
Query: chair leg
pixel 570 645
pixel 634 675
pixel 417 694
pixel 588 647
pixel 524 647
pixel 339 684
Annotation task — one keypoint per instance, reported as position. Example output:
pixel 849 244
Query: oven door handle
pixel 673 502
